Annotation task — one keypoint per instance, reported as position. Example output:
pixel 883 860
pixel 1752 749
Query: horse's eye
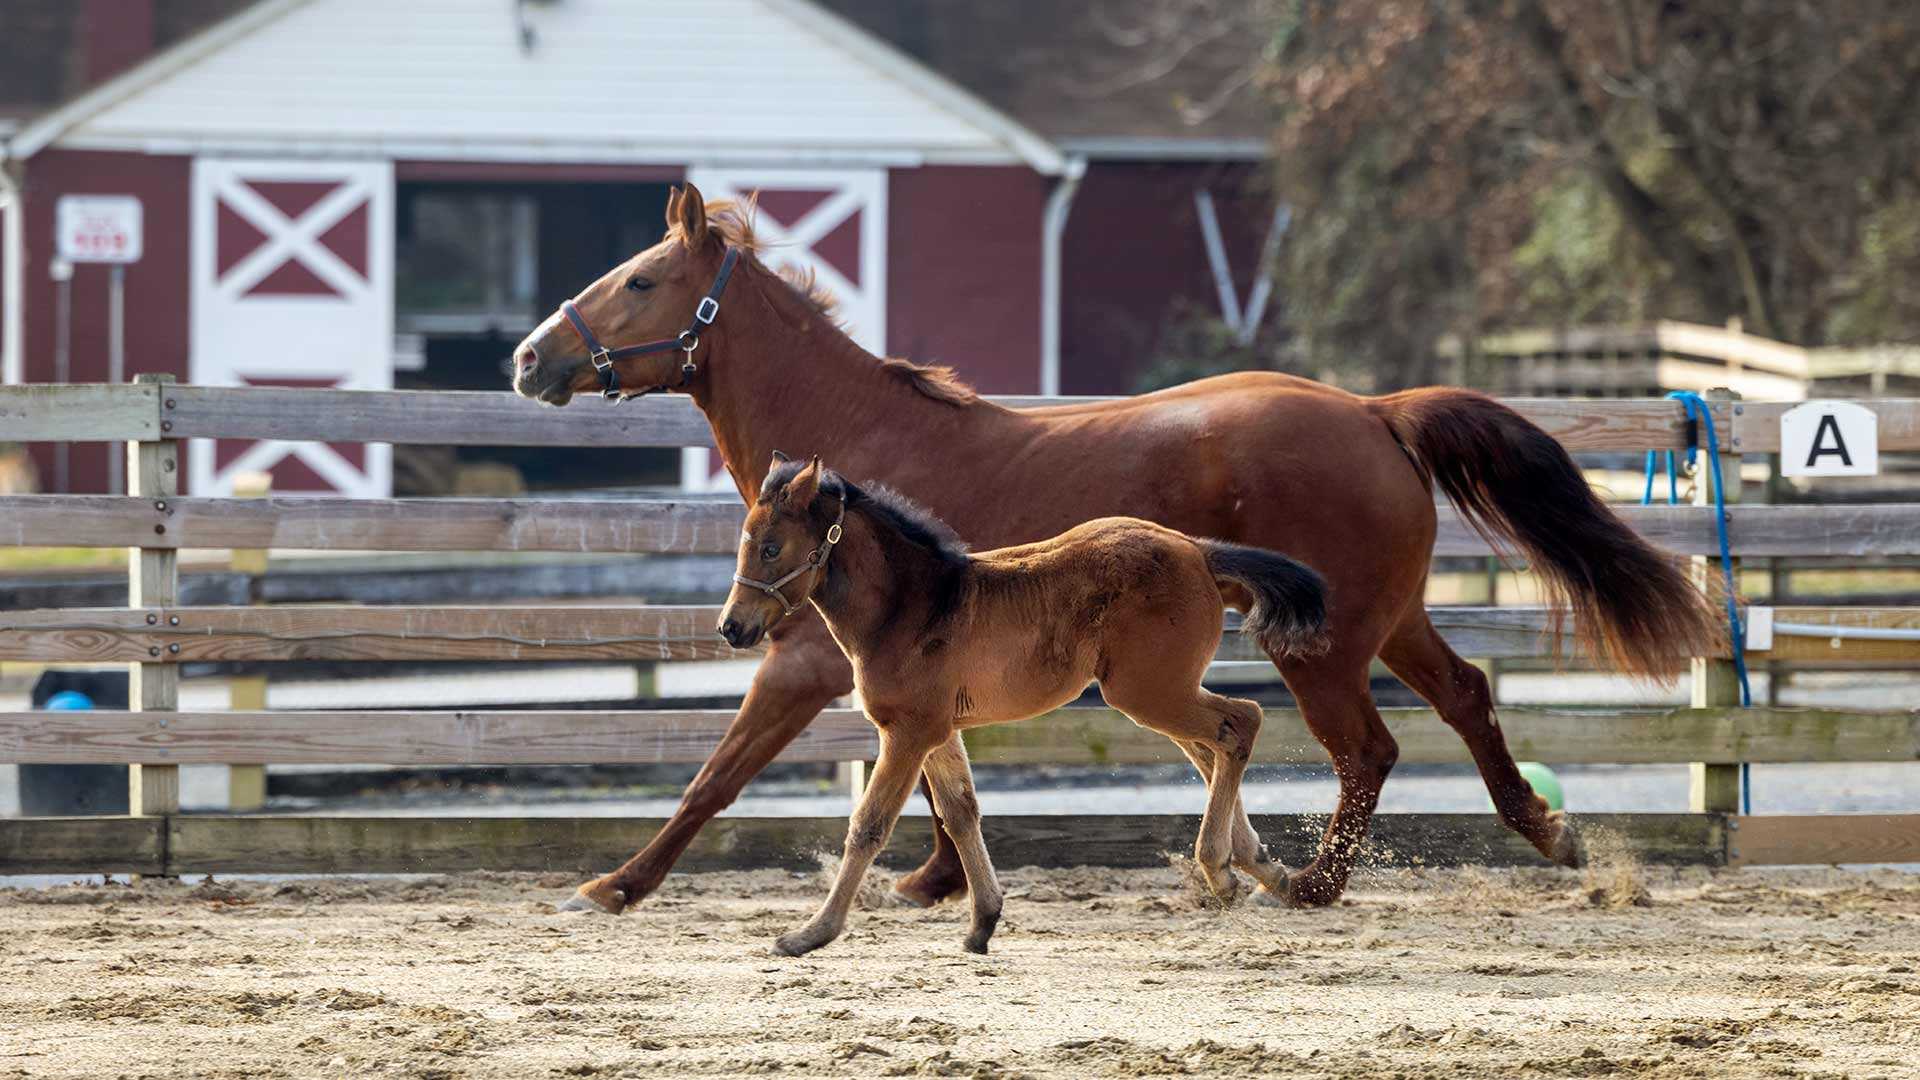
pixel 639 284
pixel 770 552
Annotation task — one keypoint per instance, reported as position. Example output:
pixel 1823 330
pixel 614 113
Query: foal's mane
pixel 889 508
pixel 732 221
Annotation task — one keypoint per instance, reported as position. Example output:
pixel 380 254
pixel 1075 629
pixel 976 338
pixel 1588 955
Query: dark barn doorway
pixel 478 265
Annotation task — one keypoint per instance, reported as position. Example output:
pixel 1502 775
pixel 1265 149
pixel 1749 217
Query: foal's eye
pixel 770 552
pixel 639 284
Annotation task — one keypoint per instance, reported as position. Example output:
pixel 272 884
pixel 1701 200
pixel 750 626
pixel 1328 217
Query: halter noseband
pixel 816 559
pixel 686 341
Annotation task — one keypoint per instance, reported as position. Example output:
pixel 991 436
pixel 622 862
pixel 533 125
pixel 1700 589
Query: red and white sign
pixel 97 228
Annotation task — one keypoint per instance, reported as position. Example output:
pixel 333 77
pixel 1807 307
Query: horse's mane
pixel 892 509
pixel 732 221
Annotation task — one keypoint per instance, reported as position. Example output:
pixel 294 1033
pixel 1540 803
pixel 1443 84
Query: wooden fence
pixel 155 634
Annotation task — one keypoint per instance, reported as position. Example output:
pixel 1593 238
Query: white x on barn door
pixel 832 222
pixel 292 285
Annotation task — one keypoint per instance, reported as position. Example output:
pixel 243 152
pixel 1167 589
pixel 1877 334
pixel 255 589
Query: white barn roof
pixel 712 81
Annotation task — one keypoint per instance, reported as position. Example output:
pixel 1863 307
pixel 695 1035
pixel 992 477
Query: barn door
pixel 292 285
pixel 830 221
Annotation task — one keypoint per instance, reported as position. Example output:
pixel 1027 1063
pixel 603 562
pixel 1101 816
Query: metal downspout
pixel 1052 237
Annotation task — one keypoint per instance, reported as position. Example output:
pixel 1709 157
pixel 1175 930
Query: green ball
pixel 1544 783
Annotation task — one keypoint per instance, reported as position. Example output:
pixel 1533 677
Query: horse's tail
pixel 1632 604
pixel 1288 613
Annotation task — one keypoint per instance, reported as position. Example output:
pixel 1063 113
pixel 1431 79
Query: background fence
pixel 158 631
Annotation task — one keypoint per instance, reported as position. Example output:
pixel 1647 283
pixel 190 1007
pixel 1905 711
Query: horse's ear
pixel 802 489
pixel 780 458
pixel 691 215
pixel 673 206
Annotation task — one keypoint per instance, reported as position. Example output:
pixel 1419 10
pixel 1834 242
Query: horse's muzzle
pixel 738 636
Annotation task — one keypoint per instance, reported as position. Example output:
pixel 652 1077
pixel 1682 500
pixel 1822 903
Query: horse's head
pixel 789 534
pixel 638 327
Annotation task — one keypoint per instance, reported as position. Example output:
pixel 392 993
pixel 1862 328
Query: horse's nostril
pixel 730 630
pixel 525 360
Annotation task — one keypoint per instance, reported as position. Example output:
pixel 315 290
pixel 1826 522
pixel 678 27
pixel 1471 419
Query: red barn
pixel 366 194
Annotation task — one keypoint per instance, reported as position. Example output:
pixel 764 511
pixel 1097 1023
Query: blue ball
pixel 69 701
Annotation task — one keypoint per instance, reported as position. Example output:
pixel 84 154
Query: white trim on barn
pixel 722 81
pixel 292 283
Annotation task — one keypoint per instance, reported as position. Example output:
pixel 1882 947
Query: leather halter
pixel 816 559
pixel 686 341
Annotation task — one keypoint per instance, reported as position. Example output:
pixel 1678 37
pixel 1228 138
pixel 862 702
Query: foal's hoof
pixel 596 897
pixel 1568 849
pixel 798 943
pixel 1266 897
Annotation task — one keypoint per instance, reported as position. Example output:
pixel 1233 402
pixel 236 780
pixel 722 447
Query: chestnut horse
pixel 1340 482
pixel 942 641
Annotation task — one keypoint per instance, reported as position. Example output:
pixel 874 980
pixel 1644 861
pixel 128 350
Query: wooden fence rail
pixel 1072 736
pixel 710 526
pixel 668 633
pixel 476 418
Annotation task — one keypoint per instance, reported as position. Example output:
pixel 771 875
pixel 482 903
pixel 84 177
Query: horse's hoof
pixel 1304 892
pixel 1568 849
pixel 977 945
pixel 897 899
pixel 916 890
pixel 584 900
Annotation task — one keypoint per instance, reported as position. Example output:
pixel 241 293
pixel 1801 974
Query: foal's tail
pixel 1513 482
pixel 1288 616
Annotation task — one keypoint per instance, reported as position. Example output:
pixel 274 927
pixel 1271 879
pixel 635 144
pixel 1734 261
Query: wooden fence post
pixel 247 784
pixel 153 581
pixel 1715 787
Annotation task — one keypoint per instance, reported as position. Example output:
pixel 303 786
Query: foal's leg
pixel 1226 727
pixel 950 780
pixel 1249 854
pixel 901 754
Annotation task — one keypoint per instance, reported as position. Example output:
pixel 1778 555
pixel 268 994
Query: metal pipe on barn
pixel 1053 231
pixel 13 281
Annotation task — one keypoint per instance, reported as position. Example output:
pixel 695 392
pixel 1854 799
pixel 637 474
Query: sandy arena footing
pixel 1618 971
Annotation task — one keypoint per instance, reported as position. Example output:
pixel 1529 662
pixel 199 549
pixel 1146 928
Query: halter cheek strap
pixel 686 341
pixel 816 559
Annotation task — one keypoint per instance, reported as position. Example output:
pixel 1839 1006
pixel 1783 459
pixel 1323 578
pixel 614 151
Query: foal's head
pixel 651 297
pixel 789 534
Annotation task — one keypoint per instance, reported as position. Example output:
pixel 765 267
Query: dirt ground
pixel 1620 971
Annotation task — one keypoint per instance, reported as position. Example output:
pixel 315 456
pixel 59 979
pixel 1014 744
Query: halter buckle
pixel 707 311
pixel 602 358
pixel 833 533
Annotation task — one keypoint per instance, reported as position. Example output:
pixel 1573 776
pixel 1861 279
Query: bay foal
pixel 942 641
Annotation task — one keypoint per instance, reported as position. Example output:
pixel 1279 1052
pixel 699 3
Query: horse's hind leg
pixel 1249 854
pixel 901 754
pixel 1458 691
pixel 950 781
pixel 1337 706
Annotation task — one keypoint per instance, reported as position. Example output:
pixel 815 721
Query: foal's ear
pixel 780 458
pixel 802 489
pixel 691 215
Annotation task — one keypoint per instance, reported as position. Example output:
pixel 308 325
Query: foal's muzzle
pixel 736 635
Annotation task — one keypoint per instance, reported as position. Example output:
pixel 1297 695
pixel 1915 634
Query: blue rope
pixel 1697 409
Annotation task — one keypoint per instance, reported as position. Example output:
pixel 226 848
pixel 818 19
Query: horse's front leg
pixel 803 671
pixel 902 752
